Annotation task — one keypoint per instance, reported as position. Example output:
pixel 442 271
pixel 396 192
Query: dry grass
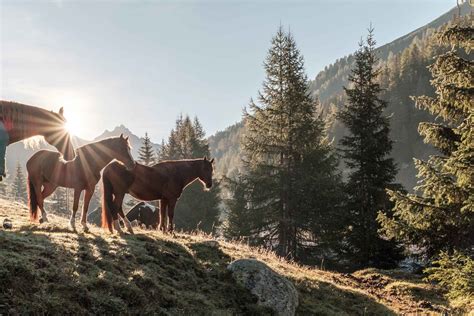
pixel 49 269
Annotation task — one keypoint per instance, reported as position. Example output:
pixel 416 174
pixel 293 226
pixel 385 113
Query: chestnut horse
pixel 47 171
pixel 19 121
pixel 164 181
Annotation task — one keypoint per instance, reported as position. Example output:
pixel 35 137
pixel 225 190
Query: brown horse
pixel 164 181
pixel 47 171
pixel 19 121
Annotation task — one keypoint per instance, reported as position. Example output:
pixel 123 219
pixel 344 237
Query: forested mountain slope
pixel 403 73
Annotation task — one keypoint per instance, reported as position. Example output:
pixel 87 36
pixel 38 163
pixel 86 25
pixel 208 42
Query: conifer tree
pixel 440 215
pixel 19 185
pixel 195 209
pixel 287 156
pixel 239 222
pixel 366 151
pixel 146 153
pixel 59 199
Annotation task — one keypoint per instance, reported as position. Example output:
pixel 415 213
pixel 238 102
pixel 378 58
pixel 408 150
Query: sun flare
pixel 75 105
pixel 73 127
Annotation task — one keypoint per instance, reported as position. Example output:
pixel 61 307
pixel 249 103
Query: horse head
pixel 57 135
pixel 122 152
pixel 205 172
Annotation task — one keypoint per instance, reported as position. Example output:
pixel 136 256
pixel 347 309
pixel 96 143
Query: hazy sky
pixel 144 63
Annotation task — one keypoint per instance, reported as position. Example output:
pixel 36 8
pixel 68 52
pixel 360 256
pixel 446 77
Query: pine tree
pixel 366 151
pixel 239 222
pixel 59 200
pixel 285 151
pixel 146 153
pixel 439 217
pixel 195 209
pixel 19 185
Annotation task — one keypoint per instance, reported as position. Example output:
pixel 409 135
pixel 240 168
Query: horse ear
pixel 61 111
pixel 126 138
pixel 121 135
pixel 212 160
pixel 205 158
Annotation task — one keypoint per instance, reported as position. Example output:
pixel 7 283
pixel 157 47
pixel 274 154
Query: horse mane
pixel 29 108
pixel 82 149
pixel 24 114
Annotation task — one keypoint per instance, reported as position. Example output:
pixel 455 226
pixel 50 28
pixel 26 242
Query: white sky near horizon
pixel 142 63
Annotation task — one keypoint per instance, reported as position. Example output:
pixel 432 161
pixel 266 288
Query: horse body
pixel 47 171
pixel 19 121
pixel 164 181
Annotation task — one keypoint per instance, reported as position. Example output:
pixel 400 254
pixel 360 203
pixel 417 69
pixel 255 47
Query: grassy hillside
pixel 49 269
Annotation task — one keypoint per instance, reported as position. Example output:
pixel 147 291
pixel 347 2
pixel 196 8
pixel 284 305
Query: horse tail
pixel 32 200
pixel 107 203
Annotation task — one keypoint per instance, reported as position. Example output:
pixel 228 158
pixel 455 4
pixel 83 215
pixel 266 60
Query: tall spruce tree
pixel 366 151
pixel 195 209
pixel 239 222
pixel 290 168
pixel 146 153
pixel 440 215
pixel 19 185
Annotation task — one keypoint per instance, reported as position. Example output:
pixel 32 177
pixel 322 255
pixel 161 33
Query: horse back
pixel 43 160
pixel 148 184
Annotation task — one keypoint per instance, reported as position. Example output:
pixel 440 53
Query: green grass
pixel 47 269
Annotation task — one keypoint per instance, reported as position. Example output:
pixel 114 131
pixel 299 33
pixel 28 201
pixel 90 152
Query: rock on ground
pixel 271 289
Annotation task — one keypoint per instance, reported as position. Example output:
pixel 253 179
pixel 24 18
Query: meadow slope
pixel 48 269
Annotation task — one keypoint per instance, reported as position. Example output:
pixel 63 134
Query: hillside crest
pixel 49 269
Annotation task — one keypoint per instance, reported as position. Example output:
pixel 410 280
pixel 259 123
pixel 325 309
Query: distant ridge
pixel 328 88
pixel 330 81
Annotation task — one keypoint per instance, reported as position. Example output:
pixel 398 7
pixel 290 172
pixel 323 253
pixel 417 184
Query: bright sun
pixel 73 127
pixel 75 105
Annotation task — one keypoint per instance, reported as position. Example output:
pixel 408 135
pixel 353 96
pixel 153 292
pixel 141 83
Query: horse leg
pixel 48 189
pixel 128 225
pixel 171 206
pixel 163 208
pixel 85 208
pixel 119 211
pixel 75 206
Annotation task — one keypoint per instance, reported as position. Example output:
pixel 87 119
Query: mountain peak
pixel 116 131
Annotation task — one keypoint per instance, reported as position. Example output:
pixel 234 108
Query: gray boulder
pixel 271 289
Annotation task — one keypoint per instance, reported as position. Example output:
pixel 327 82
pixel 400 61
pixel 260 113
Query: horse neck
pixel 24 122
pixel 96 159
pixel 189 171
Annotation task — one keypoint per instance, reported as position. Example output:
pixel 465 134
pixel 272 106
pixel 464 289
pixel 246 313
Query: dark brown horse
pixel 164 181
pixel 47 171
pixel 19 121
